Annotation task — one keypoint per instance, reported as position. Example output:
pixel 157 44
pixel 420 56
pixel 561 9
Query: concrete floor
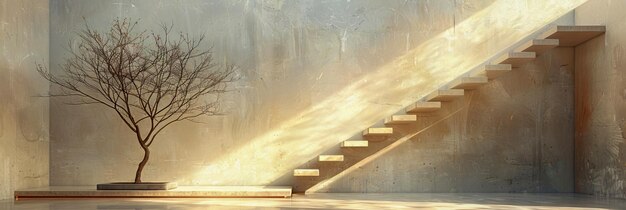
pixel 339 201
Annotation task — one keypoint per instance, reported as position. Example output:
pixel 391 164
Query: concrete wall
pixel 601 102
pixel 513 135
pixel 23 116
pixel 315 73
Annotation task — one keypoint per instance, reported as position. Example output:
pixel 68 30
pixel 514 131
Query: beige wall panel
pixel 601 102
pixel 23 115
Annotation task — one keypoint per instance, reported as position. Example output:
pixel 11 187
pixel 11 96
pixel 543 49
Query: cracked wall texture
pixel 315 73
pixel 23 115
pixel 601 102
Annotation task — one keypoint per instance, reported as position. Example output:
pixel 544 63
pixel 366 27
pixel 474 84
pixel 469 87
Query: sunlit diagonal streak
pixel 267 158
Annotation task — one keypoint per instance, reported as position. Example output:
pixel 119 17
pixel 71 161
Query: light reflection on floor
pixel 338 201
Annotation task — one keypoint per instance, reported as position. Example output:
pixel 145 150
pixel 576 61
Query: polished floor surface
pixel 337 201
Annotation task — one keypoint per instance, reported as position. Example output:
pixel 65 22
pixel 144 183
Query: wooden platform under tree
pixel 180 192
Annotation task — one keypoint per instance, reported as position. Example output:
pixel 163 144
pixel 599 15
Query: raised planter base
pixel 142 186
pixel 90 192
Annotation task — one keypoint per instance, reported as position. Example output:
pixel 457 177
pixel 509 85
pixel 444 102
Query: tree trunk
pixel 142 164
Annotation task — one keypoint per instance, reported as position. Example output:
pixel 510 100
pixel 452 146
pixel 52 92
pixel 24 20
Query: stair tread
pixel 330 158
pixel 423 106
pixel 354 143
pixel 570 36
pixel 306 172
pixel 538 45
pixel 445 95
pixel 493 71
pixel 399 119
pixel 469 83
pixel 378 131
pixel 516 59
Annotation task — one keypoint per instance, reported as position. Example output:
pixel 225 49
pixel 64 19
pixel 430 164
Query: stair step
pixel 306 172
pixel 423 106
pixel 400 119
pixel 516 59
pixel 494 70
pixel 538 45
pixel 377 131
pixel 330 158
pixel 469 83
pixel 445 95
pixel 354 143
pixel 570 36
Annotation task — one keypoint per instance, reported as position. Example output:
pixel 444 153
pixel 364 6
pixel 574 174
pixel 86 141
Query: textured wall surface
pixel 601 102
pixel 513 135
pixel 315 73
pixel 23 115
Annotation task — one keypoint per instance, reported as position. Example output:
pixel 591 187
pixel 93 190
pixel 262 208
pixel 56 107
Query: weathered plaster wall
pixel 513 135
pixel 315 73
pixel 601 102
pixel 23 116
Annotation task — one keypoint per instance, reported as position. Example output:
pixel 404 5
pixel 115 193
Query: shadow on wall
pixel 379 94
pixel 600 134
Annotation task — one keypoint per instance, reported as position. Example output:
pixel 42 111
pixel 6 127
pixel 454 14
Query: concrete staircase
pixel 566 36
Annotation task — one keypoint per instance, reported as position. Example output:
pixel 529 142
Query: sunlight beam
pixel 271 157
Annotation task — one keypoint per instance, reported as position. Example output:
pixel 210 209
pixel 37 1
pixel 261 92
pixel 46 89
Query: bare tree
pixel 149 79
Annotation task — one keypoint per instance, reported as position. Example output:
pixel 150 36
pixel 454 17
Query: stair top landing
pixel 570 36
